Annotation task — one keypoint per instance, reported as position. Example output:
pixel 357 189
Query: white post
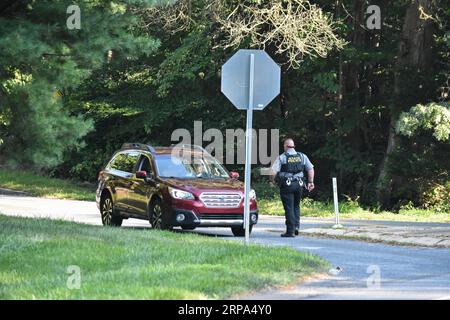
pixel 248 150
pixel 336 204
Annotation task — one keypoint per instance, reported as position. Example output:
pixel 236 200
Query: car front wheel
pixel 156 216
pixel 107 212
pixel 240 231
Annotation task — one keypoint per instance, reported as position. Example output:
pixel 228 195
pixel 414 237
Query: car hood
pixel 200 185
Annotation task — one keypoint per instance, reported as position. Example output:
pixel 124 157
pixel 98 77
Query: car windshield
pixel 170 166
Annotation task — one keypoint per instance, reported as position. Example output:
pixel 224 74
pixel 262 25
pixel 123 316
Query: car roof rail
pixel 138 146
pixel 190 146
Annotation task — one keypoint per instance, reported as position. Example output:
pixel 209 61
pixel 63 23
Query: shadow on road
pixel 8 192
pixel 199 232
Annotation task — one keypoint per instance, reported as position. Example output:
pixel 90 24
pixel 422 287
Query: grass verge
pixel 350 210
pixel 121 263
pixel 41 186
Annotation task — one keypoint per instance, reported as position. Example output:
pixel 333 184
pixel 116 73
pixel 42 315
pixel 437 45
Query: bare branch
pixel 296 28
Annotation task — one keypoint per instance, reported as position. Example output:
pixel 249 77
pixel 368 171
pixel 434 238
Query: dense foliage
pixel 373 112
pixel 43 62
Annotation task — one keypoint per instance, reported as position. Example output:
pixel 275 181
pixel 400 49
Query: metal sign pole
pixel 248 150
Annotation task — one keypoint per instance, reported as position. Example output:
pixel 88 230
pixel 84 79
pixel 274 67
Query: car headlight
pixel 180 194
pixel 252 194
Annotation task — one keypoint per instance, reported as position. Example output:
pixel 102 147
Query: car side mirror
pixel 234 175
pixel 141 174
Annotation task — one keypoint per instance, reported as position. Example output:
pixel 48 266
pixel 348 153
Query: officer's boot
pixel 288 234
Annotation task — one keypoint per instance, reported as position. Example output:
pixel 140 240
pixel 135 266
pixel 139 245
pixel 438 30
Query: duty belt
pixel 289 180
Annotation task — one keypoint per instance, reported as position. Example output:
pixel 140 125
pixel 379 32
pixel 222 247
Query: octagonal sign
pixel 237 82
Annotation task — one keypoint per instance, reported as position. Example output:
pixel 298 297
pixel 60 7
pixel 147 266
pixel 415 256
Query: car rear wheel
pixel 109 218
pixel 240 231
pixel 156 216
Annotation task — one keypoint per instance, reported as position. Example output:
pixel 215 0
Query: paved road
pixel 405 272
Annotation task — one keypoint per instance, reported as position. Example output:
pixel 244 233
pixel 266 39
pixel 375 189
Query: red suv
pixel 172 186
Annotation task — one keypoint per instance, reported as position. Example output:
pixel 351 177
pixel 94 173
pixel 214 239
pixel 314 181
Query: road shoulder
pixel 405 235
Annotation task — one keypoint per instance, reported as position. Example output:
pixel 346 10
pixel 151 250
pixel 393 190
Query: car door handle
pixel 133 183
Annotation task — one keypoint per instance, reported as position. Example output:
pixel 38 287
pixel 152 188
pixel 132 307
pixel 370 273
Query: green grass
pixel 351 210
pixel 269 203
pixel 41 186
pixel 126 263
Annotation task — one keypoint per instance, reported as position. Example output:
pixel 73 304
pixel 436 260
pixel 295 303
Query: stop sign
pixel 250 80
pixel 238 75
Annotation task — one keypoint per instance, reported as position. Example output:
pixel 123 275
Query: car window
pixel 125 162
pixel 117 161
pixel 145 165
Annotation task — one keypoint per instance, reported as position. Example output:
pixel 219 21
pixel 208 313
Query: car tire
pixel 240 231
pixel 108 213
pixel 187 228
pixel 156 216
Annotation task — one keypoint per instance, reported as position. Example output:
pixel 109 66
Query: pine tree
pixel 47 49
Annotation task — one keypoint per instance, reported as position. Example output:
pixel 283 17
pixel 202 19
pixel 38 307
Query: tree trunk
pixel 350 92
pixel 414 56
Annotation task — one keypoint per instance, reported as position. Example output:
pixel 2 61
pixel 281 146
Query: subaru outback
pixel 179 186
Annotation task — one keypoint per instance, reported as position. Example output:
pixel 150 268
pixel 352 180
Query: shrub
pixel 436 197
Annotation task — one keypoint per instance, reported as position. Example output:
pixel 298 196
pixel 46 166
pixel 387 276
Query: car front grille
pixel 221 199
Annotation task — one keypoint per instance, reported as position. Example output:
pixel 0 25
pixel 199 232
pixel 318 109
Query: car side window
pixel 117 162
pixel 131 161
pixel 125 162
pixel 146 166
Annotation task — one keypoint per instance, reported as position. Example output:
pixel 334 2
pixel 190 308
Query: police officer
pixel 287 171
